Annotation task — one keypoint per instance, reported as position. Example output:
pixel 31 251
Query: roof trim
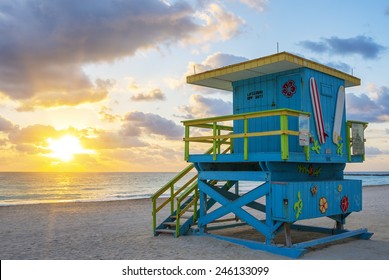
pixel 222 78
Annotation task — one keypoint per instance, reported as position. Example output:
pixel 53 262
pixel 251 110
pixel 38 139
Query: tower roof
pixel 222 78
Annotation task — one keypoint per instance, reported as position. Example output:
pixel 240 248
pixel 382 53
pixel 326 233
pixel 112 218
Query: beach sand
pixel 123 230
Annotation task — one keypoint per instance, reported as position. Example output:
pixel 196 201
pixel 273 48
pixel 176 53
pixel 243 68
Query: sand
pixel 123 230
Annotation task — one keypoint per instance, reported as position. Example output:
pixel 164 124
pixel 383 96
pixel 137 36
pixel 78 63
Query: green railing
pixel 182 193
pixel 217 136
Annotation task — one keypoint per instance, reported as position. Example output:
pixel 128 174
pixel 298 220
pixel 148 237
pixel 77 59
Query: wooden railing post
pixel 171 198
pixel 154 214
pixel 187 142
pixel 214 140
pixel 284 136
pixel 245 139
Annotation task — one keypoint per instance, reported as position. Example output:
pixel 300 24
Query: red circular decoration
pixel 289 88
pixel 344 204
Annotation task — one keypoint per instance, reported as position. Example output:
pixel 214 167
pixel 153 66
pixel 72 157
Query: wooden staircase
pixel 183 201
pixel 181 221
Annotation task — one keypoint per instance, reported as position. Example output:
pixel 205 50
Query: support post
pixel 203 207
pixel 288 236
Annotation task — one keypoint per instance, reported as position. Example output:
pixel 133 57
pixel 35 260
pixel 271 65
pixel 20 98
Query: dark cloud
pixel 151 124
pixel 318 47
pixel 153 95
pixel 45 43
pixel 363 107
pixel 344 67
pixel 360 45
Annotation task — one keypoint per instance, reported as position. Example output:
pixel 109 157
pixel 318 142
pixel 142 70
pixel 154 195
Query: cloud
pixel 153 95
pixel 150 124
pixel 201 107
pixel 258 5
pixel 371 107
pixel 34 134
pixel 213 61
pixel 360 45
pixel 216 22
pixel 6 125
pixel 106 115
pixel 44 44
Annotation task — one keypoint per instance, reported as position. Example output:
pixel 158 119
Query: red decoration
pixel 314 190
pixel 289 88
pixel 344 204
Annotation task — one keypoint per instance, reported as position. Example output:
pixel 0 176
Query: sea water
pixel 35 187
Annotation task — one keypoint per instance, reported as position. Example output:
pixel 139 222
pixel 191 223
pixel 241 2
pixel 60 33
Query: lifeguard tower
pixel 288 139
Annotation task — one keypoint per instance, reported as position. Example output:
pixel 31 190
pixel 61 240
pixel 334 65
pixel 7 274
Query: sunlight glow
pixel 66 147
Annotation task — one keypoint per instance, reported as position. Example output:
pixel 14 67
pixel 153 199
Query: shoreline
pixel 140 197
pixel 122 230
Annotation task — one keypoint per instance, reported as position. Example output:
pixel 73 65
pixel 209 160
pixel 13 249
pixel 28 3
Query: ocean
pixel 18 188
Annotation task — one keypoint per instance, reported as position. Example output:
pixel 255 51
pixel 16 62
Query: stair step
pixel 182 217
pixel 164 230
pixel 170 224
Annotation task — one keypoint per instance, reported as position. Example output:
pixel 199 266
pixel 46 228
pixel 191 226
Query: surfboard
pixel 338 115
pixel 318 114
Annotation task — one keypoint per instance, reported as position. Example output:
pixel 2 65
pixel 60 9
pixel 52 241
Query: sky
pixel 100 85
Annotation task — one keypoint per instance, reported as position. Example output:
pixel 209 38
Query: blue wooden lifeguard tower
pixel 288 139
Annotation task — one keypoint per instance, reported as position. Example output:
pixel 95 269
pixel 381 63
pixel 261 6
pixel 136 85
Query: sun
pixel 65 148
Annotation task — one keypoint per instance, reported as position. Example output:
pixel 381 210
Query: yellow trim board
pixel 222 78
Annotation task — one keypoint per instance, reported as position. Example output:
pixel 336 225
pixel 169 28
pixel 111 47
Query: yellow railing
pixel 217 137
pixel 182 193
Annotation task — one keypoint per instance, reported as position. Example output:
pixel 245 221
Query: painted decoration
pixel 340 188
pixel 298 206
pixel 318 114
pixel 323 205
pixel 289 88
pixel 310 170
pixel 338 116
pixel 314 190
pixel 344 204
pixel 316 147
pixel 339 150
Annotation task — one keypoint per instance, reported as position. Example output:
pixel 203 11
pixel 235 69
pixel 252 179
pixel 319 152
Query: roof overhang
pixel 222 78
